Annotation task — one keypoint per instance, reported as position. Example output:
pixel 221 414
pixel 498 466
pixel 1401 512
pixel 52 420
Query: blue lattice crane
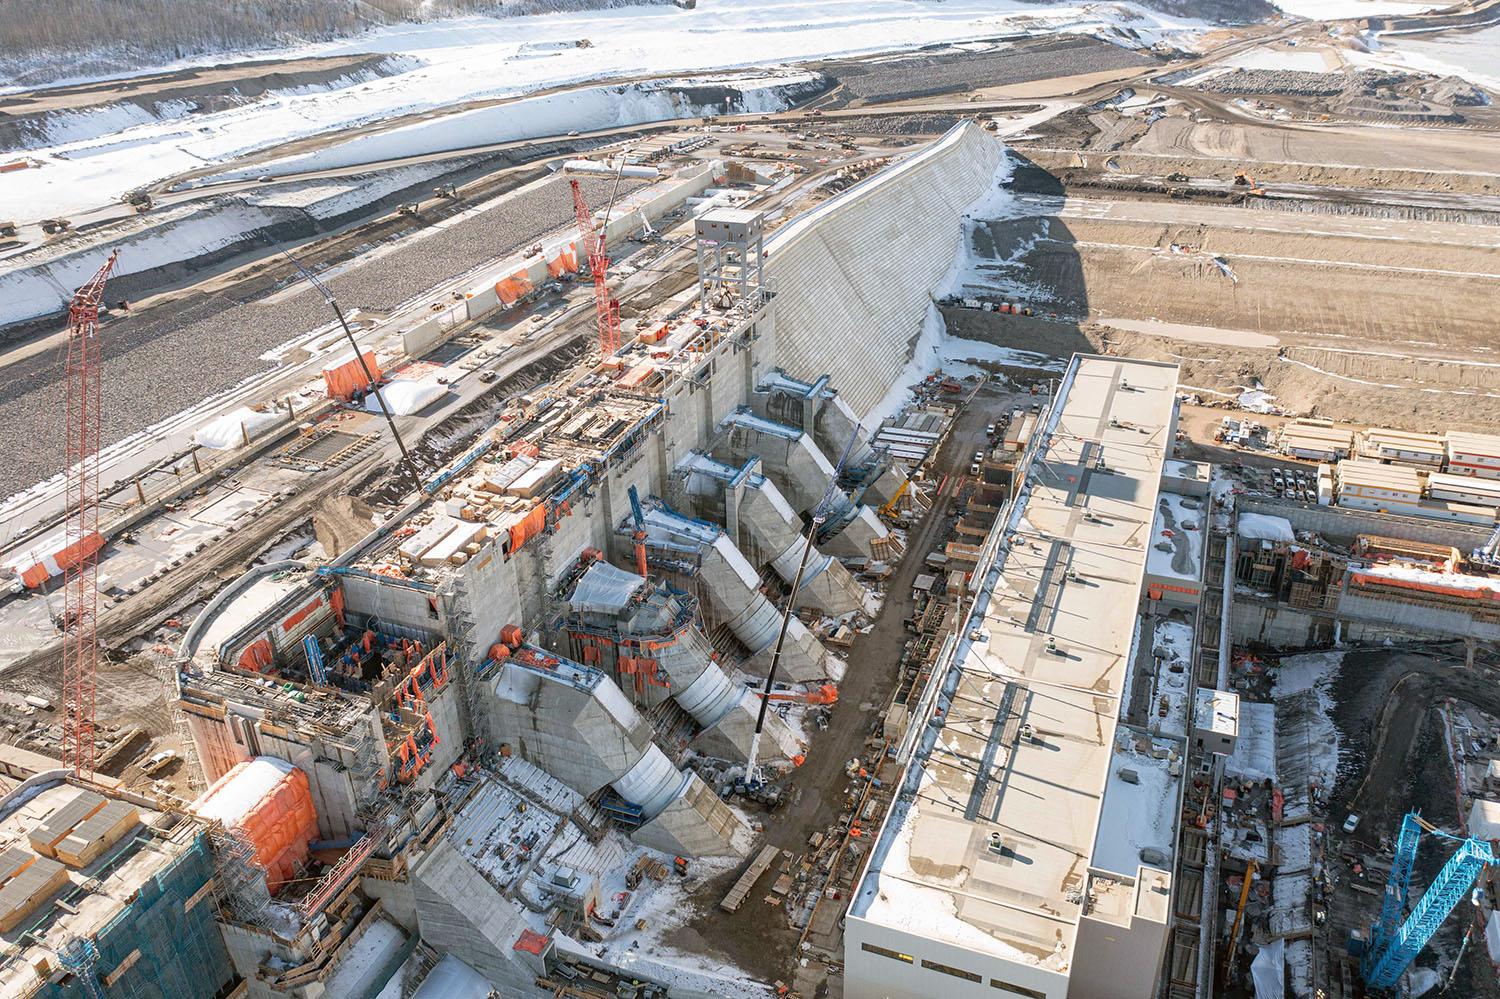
pixel 1394 943
pixel 639 515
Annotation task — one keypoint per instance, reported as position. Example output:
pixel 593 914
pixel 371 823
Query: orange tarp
pixel 268 802
pixel 348 378
pixel 528 527
pixel 257 655
pixel 511 289
pixel 566 261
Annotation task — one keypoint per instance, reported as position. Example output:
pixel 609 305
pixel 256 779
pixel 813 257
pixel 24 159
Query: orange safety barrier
pixel 268 802
pixel 1465 593
pixel 257 656
pixel 345 380
pixel 528 527
pixel 336 601
pixel 55 563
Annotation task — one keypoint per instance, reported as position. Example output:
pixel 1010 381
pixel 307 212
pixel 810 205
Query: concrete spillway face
pixel 725 710
pixel 758 622
pixel 575 723
pixel 805 472
pixel 826 584
pixel 836 422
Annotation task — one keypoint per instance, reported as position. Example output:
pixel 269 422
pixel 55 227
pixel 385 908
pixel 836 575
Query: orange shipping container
pixel 347 378
pixel 268 802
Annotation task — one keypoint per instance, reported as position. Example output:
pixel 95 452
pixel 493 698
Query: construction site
pixel 1011 517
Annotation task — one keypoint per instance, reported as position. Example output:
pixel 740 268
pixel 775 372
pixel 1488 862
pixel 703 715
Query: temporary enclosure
pixel 268 802
pixel 405 397
pixel 346 378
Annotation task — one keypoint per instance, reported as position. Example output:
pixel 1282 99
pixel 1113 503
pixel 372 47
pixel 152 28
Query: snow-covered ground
pixel 478 58
pixel 584 109
pixel 1315 671
pixel 1472 55
pixel 1335 10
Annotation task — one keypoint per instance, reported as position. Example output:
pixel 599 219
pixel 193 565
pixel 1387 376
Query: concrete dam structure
pixel 576 723
pixel 648 632
pixel 839 282
pixel 756 513
pixel 732 586
pixel 793 457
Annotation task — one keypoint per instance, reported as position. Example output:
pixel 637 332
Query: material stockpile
pixel 935 73
pixel 169 358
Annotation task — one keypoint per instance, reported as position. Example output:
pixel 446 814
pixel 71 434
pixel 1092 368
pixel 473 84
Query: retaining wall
pixel 860 268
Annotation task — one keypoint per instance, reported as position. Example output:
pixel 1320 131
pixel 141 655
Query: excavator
pixel 1243 179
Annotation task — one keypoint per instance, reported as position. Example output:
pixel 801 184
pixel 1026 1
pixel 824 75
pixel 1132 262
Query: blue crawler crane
pixel 1395 943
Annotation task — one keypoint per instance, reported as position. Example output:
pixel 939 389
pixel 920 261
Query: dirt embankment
pixel 1364 388
pixel 1224 167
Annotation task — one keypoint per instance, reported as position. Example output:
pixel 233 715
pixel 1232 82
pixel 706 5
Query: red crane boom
pixel 606 309
pixel 81 576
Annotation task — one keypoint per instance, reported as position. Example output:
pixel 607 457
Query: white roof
pixel 1484 819
pixel 1403 440
pixel 1467 443
pixel 1471 484
pixel 1378 475
pixel 934 870
pixel 230 801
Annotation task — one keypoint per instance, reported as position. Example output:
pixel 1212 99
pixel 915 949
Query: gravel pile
pixel 162 361
pixel 929 123
pixel 1366 84
pixel 938 73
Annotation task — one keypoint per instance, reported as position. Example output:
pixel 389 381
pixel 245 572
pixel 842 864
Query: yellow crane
pixel 1239 915
pixel 889 510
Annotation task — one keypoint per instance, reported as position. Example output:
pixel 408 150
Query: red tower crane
pixel 606 309
pixel 81 575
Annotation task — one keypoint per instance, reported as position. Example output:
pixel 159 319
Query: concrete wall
pixel 840 280
pixel 872 975
pixel 1343 523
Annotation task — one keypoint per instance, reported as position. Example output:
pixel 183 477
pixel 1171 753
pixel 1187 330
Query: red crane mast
pixel 81 575
pixel 606 309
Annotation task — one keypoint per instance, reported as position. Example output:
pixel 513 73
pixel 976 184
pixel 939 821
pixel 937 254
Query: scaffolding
pixel 239 882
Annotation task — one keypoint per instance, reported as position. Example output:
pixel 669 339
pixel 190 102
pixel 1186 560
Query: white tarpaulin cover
pixel 225 433
pixel 1264 527
pixel 451 978
pixel 407 397
pixel 1268 971
pixel 234 799
pixel 604 589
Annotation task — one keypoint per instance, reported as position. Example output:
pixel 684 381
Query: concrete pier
pixel 803 472
pixel 732 587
